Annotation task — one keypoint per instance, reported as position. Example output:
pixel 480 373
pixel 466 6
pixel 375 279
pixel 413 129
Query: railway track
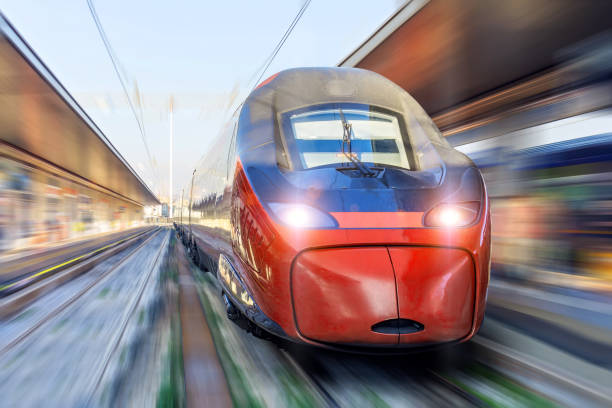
pixel 456 390
pixel 28 279
pixel 455 377
pixel 432 386
pixel 115 341
pixel 327 398
pixel 525 369
pixel 80 293
pixel 97 340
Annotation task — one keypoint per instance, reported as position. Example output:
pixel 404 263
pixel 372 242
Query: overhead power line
pixel 268 61
pixel 116 67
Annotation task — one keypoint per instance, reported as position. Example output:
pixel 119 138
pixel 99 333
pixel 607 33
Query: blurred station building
pixel 60 177
pixel 525 89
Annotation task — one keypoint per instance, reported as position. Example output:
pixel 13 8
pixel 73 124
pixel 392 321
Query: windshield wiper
pixel 346 141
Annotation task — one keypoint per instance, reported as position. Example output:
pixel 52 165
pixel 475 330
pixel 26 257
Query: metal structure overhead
pixel 40 118
pixel 447 52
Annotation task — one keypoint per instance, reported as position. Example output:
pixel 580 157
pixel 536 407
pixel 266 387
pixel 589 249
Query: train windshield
pixel 317 136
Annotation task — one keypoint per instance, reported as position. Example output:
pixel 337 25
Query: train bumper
pixel 383 295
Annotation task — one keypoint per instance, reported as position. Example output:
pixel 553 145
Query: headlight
pixel 302 216
pixel 452 215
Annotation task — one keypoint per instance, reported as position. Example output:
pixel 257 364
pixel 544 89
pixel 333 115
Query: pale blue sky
pixel 198 51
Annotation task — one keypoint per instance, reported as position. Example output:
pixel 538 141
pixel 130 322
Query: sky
pixel 203 54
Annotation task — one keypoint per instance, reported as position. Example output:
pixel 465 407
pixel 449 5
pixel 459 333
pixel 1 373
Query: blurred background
pixel 105 109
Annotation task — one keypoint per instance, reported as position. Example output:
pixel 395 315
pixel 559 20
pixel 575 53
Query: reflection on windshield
pixel 376 138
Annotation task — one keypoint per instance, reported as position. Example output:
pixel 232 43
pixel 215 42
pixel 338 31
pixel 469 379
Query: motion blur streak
pixel 551 189
pixel 227 306
pixel 60 178
pixel 38 208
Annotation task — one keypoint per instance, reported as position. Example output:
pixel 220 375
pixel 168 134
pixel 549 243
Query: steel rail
pixel 117 340
pixel 28 279
pixel 328 399
pixel 73 298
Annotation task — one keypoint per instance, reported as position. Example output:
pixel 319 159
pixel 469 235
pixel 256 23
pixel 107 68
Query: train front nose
pixel 383 295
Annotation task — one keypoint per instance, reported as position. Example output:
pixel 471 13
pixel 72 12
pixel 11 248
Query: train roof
pixel 297 88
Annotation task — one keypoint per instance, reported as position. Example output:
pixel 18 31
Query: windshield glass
pixel 314 138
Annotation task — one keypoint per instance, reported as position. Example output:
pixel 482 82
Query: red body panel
pixel 435 286
pixel 340 293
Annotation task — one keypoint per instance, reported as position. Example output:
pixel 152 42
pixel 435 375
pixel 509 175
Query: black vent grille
pixel 398 326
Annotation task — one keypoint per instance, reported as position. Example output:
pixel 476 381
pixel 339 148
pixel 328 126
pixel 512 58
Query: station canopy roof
pixel 447 52
pixel 38 116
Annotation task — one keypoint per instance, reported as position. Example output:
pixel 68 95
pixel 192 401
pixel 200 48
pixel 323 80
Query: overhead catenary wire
pixel 116 65
pixel 267 62
pixel 261 70
pixel 140 103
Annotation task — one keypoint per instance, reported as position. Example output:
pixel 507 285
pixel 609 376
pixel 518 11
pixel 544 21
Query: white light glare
pixel 302 216
pixel 450 217
pixel 296 217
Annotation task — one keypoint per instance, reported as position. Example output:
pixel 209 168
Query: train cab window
pixel 315 137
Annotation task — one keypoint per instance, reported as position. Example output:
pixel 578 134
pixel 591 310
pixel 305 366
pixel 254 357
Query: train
pixel 334 213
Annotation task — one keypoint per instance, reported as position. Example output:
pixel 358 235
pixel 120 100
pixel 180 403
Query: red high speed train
pixel 334 213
